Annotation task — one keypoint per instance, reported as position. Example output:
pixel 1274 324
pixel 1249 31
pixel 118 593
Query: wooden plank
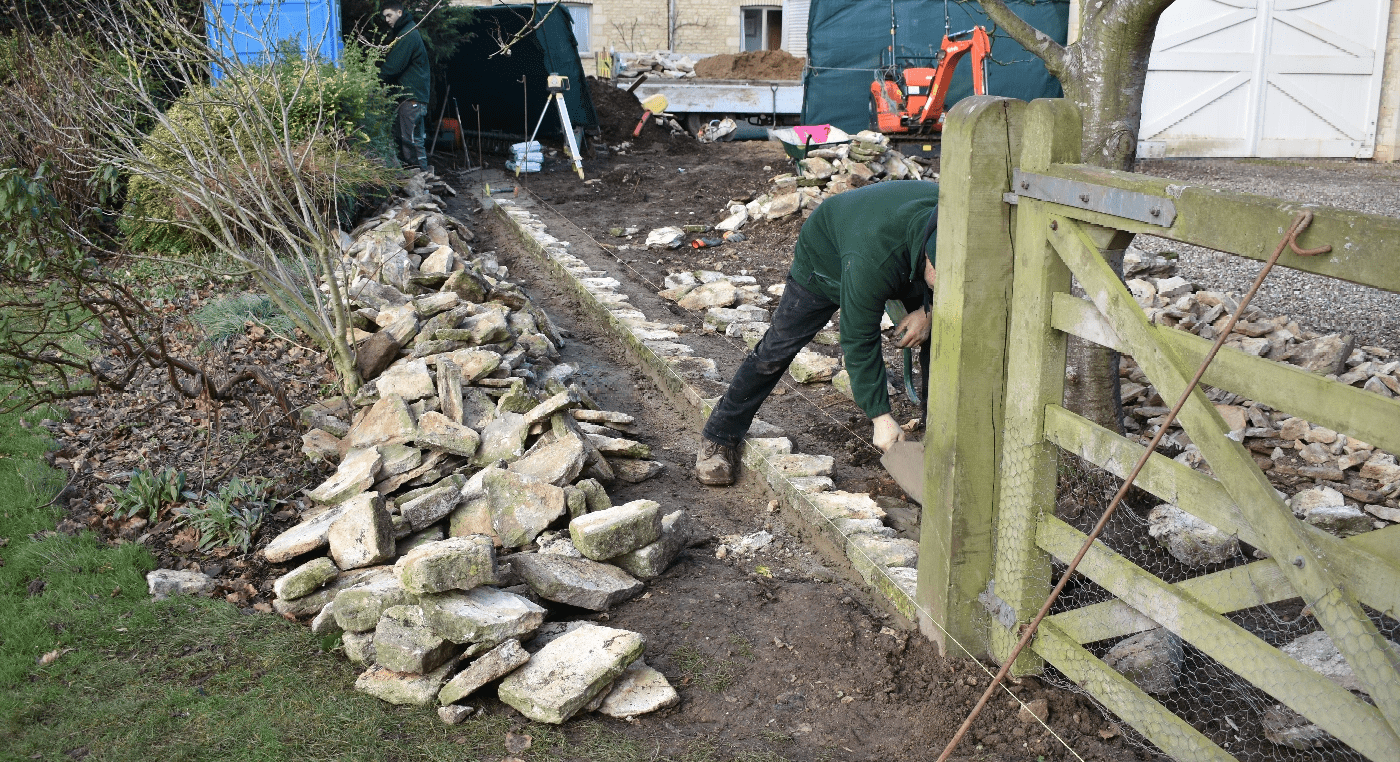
pixel 1333 708
pixel 1170 733
pixel 1365 247
pixel 1354 412
pixel 1028 467
pixel 964 416
pixel 1242 587
pixel 1374 578
pixel 1280 534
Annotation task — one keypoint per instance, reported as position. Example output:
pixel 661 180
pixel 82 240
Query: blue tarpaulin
pixel 251 29
pixel 848 41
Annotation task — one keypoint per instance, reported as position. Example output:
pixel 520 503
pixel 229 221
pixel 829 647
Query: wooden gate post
pixel 981 141
pixel 1035 378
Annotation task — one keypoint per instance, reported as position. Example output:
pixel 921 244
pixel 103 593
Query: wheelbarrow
pixel 799 141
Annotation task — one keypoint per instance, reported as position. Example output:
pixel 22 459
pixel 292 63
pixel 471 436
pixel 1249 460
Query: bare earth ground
pixel 782 652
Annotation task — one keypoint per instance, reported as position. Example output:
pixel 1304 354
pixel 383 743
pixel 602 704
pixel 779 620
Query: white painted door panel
pixel 1265 78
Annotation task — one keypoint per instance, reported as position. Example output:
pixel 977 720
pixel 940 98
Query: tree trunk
pixel 1103 73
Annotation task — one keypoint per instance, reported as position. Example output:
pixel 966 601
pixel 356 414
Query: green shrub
pixel 226 316
pixel 148 491
pixel 260 131
pixel 230 516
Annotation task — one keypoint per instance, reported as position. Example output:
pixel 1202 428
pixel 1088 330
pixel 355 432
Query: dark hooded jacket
pixel 407 62
pixel 860 249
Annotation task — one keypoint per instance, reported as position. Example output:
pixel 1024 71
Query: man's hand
pixel 912 330
pixel 887 431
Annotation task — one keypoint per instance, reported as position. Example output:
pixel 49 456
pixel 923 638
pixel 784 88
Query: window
pixel 763 29
pixel 581 15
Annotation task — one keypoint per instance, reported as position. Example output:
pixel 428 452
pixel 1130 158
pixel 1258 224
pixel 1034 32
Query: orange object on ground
pixel 919 105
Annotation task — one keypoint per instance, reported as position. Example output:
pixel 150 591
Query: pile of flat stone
pixel 867 159
pixel 469 492
pixel 734 305
pixel 658 63
pixel 1355 486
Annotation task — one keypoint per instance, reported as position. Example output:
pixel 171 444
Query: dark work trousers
pixel 801 314
pixel 411 134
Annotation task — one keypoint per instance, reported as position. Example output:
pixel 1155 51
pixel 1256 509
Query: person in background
pixel 857 250
pixel 406 66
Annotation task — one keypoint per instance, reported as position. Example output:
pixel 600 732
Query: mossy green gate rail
pixel 1004 308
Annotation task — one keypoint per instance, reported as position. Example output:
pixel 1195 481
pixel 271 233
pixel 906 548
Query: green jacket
pixel 407 62
pixel 858 249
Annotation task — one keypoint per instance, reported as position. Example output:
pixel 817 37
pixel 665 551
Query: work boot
pixel 714 464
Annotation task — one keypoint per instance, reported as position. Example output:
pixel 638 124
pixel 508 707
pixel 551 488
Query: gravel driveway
pixel 1317 303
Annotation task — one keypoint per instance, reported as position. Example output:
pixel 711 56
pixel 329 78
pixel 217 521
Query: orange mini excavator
pixel 916 108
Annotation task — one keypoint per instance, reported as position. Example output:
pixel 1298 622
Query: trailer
pixel 694 102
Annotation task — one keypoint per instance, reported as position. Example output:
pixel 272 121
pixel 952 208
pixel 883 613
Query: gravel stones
pixel 494 664
pixel 457 563
pixel 564 676
pixel 617 530
pixel 403 642
pixel 481 615
pixel 576 581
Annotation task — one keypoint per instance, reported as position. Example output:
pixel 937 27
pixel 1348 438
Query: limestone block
pixel 640 690
pixel 617 530
pixel 403 687
pixel 456 563
pixel 305 579
pixel 403 642
pixel 1151 660
pixel 564 676
pixel 163 583
pixel 410 380
pixel 493 665
pixel 481 615
pixel 1188 539
pixel 635 471
pixel 355 474
pixel 576 581
pixel 813 368
pixel 678 531
pixel 387 422
pixel 357 609
pixel 364 533
pixel 305 537
pixel 426 509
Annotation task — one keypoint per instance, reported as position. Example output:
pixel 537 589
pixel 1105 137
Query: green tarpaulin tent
pixel 848 41
pixel 493 83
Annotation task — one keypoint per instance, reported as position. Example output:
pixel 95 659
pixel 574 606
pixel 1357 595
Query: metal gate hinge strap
pixel 1153 210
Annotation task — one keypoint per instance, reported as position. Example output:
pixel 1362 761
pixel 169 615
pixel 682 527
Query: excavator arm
pixel 955 46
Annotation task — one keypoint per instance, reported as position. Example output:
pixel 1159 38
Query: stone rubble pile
pixel 867 159
pixel 658 63
pixel 469 494
pixel 1346 486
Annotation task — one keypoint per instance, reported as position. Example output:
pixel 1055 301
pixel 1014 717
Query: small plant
pixel 148 491
pixel 227 316
pixel 230 516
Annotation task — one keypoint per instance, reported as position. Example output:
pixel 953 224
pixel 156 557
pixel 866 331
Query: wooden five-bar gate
pixel 1020 218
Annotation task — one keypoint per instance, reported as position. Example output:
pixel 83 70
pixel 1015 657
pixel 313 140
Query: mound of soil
pixel 758 64
pixel 618 112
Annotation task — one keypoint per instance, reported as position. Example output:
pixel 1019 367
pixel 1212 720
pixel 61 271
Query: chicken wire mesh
pixel 1226 708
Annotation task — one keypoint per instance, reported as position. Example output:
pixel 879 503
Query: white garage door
pixel 1265 78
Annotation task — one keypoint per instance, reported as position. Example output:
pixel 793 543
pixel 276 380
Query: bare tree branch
pixel 1054 55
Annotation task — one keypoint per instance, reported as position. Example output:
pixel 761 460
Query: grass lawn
pixel 90 668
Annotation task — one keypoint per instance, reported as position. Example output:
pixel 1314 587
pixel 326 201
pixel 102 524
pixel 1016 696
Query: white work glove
pixel 887 431
pixel 913 330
